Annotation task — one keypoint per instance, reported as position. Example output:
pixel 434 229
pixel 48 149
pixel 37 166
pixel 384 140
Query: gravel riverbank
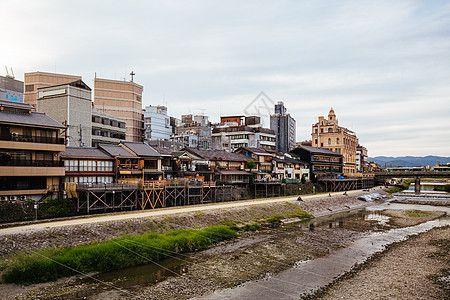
pixel 418 268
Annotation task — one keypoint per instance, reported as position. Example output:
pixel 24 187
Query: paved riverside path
pixel 160 212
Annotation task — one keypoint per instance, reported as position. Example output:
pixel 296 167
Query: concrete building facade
pixel 156 123
pixel 194 132
pixel 106 128
pixel 361 158
pixel 122 99
pixel 229 135
pixel 69 104
pixel 283 124
pixel 35 80
pixel 328 134
pixel 11 89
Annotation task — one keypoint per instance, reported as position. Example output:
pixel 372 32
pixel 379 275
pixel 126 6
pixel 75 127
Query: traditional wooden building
pixel 149 159
pixel 227 167
pixel 262 159
pixel 323 163
pixel 30 149
pixel 88 165
pixel 127 167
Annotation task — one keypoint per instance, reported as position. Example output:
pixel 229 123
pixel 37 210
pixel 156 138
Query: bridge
pixel 380 177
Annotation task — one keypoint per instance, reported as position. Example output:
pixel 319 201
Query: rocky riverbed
pixel 418 268
pixel 253 255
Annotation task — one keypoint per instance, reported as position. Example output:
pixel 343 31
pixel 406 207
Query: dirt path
pixel 408 270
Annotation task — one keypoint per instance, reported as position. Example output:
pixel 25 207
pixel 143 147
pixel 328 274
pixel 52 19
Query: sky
pixel 383 66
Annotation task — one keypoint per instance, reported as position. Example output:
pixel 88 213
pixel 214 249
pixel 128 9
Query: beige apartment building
pixel 35 80
pixel 122 99
pixel 328 134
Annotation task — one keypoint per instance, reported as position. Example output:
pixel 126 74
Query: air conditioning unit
pixel 14 136
pixel 241 167
pixel 4 198
pixel 23 198
pixel 12 198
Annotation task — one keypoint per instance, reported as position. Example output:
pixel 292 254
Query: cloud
pixel 384 65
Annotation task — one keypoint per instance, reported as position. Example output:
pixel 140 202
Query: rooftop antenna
pixel 132 75
pixel 7 73
pixel 203 111
pixel 12 72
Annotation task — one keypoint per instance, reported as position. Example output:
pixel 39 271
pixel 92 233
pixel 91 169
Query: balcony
pixel 31 163
pixel 32 139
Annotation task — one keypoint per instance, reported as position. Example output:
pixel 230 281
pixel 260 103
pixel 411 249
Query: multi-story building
pixel 35 80
pixel 29 152
pixel 322 162
pixel 88 165
pixel 361 157
pixel 11 89
pixel 69 104
pixel 195 133
pixel 156 123
pixel 106 128
pixel 328 134
pixel 283 124
pixel 122 99
pixel 174 123
pixel 231 134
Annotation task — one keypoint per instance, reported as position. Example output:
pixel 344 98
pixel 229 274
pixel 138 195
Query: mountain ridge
pixel 409 161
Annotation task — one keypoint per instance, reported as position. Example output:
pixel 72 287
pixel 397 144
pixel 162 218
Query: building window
pixel 29 88
pixel 315 141
pixel 329 141
pixel 321 130
pixel 321 144
pixel 337 140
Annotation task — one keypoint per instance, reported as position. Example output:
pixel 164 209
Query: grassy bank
pixel 50 264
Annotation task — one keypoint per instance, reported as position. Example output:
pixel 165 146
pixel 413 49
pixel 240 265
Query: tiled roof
pixel 116 151
pixel 35 119
pixel 255 150
pixel 164 151
pixel 218 154
pixel 84 152
pixel 141 149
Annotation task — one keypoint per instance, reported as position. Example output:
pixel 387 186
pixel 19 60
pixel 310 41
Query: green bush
pixel 51 264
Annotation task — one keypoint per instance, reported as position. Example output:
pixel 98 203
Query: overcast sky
pixel 384 66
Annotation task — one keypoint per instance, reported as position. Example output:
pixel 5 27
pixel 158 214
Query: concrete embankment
pixel 86 230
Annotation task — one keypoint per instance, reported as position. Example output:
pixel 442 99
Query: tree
pixel 250 165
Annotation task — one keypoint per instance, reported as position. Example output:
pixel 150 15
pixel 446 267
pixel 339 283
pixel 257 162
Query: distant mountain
pixel 409 161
